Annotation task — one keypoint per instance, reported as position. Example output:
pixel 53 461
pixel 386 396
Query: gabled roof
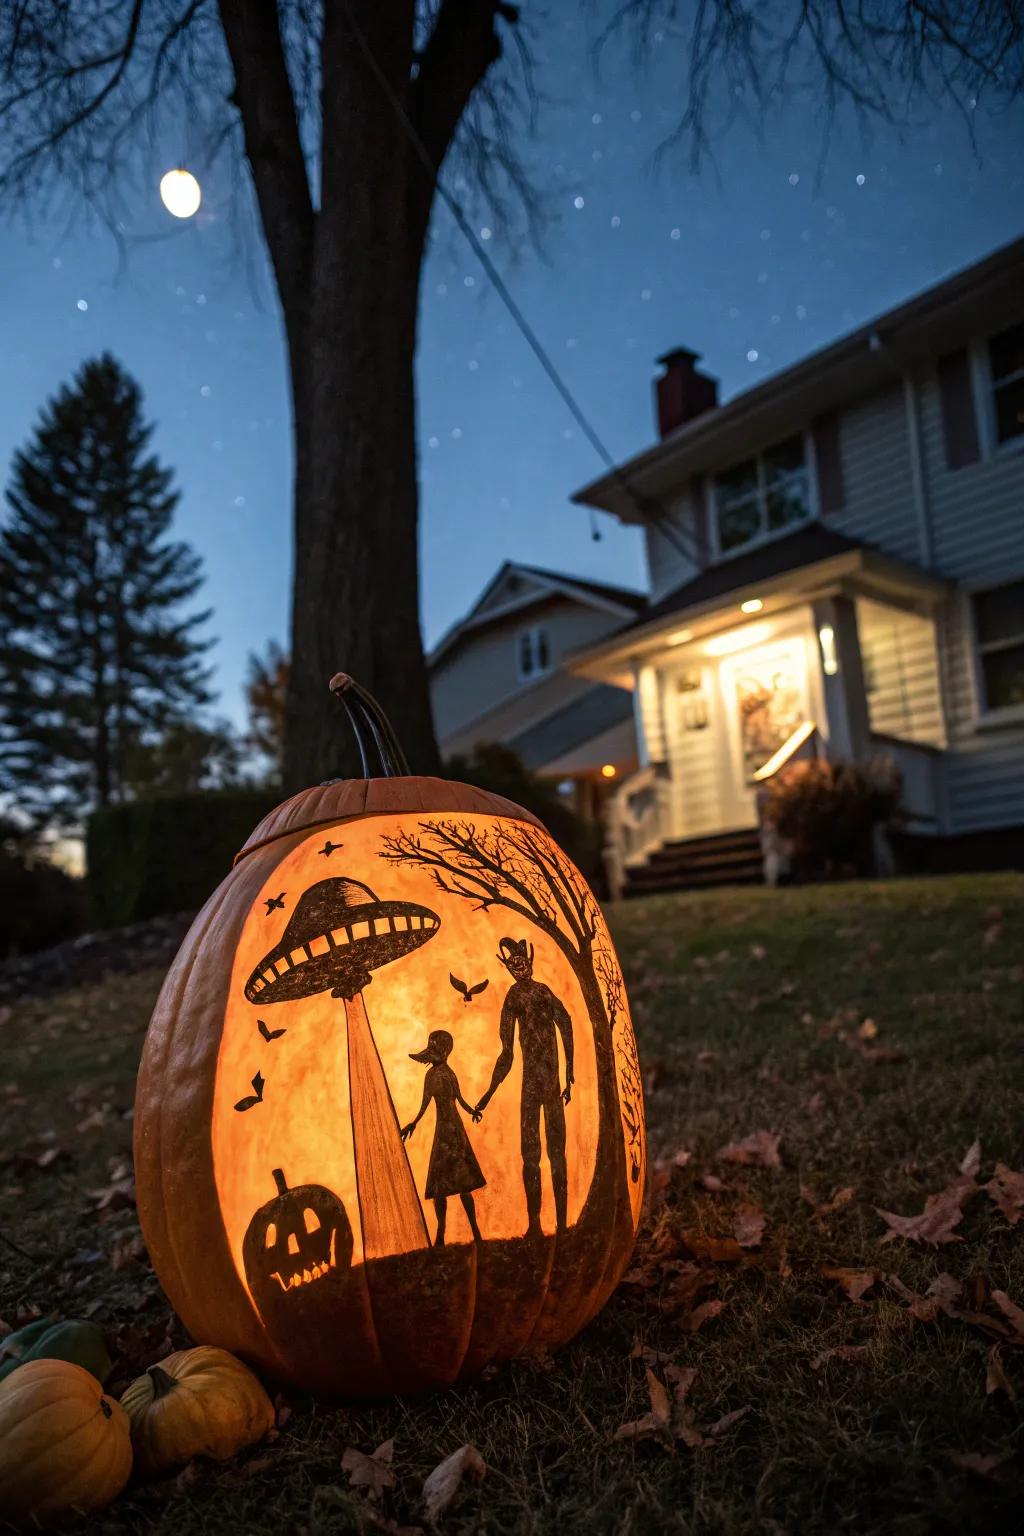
pixel 620 602
pixel 987 295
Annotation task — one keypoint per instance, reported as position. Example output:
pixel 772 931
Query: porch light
pixel 752 605
pixel 827 641
pixel 608 770
pixel 680 637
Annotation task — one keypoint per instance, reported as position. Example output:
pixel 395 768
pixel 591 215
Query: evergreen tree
pixel 95 655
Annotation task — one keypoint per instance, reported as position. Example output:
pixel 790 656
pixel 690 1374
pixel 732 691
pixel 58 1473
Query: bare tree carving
pixel 515 866
pixel 631 1093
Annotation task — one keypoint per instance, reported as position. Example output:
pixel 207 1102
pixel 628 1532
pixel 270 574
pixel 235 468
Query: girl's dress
pixel 453 1168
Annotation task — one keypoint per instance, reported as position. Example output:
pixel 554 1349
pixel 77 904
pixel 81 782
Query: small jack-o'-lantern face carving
pixel 296 1239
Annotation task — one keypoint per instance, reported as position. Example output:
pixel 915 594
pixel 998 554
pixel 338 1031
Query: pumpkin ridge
pixel 26 1465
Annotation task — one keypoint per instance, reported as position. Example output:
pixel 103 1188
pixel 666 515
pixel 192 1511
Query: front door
pixel 764 696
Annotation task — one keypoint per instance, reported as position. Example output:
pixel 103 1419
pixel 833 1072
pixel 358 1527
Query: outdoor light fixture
pixel 827 641
pixel 389 1124
pixel 680 637
pixel 608 770
pixel 180 193
pixel 752 605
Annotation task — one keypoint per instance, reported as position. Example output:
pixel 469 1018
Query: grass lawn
pixel 877 1030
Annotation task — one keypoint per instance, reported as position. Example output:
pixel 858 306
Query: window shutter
pixel 699 508
pixel 828 459
pixel 959 423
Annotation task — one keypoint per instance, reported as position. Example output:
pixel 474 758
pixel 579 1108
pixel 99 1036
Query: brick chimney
pixel 681 393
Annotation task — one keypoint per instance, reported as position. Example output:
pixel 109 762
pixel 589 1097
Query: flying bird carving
pixel 329 848
pixel 274 903
pixel 467 993
pixel 256 1097
pixel 269 1034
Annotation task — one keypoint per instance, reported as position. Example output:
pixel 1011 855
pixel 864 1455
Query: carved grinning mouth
pixel 307 1276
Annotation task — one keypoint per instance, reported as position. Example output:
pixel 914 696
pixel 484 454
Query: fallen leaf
pixel 447 1478
pixel 654 1423
pixel 749 1225
pixel 839 1352
pixel 1006 1190
pixel 971 1160
pixel 757 952
pixel 997 1469
pixel 712 1183
pixel 696 1319
pixel 684 1425
pixel 868 1029
pixel 371 1472
pixel 823 1208
pixel 726 1422
pixel 722 1250
pixel 706 1056
pixel 942 1212
pixel 759 1150
pixel 996 1379
pixel 855 1282
pixel 816 1103
pixel 1011 1311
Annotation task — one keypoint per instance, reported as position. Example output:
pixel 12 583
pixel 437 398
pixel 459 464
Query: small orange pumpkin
pixel 198 1402
pixel 64 1445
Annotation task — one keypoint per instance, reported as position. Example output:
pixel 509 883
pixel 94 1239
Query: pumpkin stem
pixel 162 1382
pixel 279 1180
pixel 371 726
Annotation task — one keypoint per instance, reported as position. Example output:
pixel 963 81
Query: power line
pixel 647 507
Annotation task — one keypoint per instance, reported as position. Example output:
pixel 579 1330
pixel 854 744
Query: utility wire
pixel 646 506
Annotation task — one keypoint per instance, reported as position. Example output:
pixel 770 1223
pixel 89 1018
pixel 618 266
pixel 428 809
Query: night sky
pixel 753 264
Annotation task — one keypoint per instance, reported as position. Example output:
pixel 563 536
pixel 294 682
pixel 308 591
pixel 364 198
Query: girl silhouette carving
pixel 453 1168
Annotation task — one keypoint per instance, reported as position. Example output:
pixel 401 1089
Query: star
pixel 329 848
pixel 274 903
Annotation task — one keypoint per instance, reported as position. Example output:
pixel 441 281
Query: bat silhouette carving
pixel 467 993
pixel 269 1034
pixel 274 903
pixel 256 1097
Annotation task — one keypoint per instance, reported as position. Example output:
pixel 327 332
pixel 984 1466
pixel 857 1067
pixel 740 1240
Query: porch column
pixel 846 700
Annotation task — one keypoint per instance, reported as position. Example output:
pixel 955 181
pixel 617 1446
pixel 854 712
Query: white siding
pixel 877 476
pixel 695 756
pixel 977 522
pixel 648 700
pixel 667 566
pixel 901 673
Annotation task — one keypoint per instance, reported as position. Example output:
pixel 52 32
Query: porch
pixel 812 646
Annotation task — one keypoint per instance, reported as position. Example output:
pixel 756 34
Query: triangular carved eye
pixel 293 1243
pixel 311 1219
pixel 271 1238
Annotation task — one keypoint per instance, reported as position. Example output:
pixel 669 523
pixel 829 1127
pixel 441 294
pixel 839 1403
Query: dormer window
pixel 761 497
pixel 533 653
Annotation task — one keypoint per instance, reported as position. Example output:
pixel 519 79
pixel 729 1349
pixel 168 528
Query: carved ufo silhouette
pixel 339 932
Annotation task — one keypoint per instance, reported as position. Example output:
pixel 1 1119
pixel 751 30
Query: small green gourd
pixel 75 1340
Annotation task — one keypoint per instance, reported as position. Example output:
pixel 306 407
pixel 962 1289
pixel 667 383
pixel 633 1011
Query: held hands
pixel 477 1115
pixel 567 1092
pixel 407 1130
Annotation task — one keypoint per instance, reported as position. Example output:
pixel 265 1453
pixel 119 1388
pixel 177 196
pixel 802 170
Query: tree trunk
pixel 610 1161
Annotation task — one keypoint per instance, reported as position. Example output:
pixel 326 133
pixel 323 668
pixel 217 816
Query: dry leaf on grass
pixel 749 1225
pixel 446 1479
pixel 726 1422
pixel 823 1208
pixel 1013 1314
pixel 941 1296
pixel 1006 1190
pixel 971 1163
pixel 1004 1470
pixel 371 1472
pixel 652 1424
pixel 839 1352
pixel 722 1250
pixel 759 1150
pixel 996 1379
pixel 855 1282
pixel 942 1212
pixel 695 1320
pixel 712 1183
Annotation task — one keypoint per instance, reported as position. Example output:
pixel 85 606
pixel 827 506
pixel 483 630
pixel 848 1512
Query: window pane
pixel 737 484
pixel 1009 400
pixel 1006 352
pixel 526 654
pixel 542 650
pixel 999 613
pixel 784 458
pixel 788 503
pixel 738 525
pixel 1004 677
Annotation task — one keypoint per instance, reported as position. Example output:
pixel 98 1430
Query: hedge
pixel 166 853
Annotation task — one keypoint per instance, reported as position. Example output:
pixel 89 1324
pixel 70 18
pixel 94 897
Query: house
pixel 498 676
pixel 837 567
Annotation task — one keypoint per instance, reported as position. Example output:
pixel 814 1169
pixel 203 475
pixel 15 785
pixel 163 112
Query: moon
pixel 180 193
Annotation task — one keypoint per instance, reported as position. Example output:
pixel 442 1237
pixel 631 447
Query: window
pixel 999 632
pixel 762 496
pixel 1006 364
pixel 533 653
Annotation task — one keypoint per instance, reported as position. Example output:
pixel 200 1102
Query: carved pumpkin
pixel 64 1445
pixel 198 1402
pixel 403 1009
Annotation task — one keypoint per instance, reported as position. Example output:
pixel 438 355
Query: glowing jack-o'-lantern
pixel 402 1012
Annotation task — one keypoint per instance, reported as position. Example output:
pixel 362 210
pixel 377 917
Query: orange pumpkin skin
pixel 400 1320
pixel 64 1445
pixel 197 1402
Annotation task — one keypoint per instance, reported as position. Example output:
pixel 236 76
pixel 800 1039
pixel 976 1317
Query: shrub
pixel 166 853
pixel 827 813
pixel 40 905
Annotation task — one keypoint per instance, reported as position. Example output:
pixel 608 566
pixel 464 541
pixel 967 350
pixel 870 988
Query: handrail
pixel 790 747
